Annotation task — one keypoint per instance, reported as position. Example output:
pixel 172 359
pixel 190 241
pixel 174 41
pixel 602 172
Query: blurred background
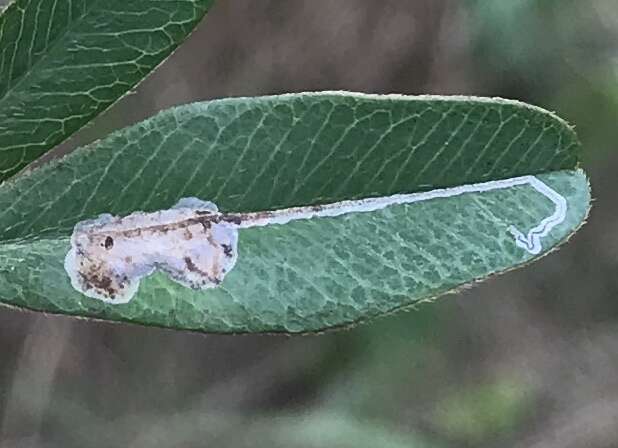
pixel 527 359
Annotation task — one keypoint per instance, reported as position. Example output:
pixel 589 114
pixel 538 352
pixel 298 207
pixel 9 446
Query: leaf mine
pixel 197 246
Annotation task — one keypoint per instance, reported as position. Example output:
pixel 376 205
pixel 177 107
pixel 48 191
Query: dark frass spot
pixel 190 265
pixel 227 250
pixel 103 283
pixel 109 242
pixel 233 219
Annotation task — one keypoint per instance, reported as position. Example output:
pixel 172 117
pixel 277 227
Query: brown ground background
pixel 528 359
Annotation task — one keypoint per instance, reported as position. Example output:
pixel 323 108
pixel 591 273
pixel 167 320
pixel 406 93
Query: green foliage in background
pixel 267 153
pixel 481 411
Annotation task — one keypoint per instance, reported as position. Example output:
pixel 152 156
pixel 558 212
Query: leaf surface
pixel 63 62
pixel 252 154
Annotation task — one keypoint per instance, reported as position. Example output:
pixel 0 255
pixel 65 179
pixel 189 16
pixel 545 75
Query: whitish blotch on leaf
pixel 191 242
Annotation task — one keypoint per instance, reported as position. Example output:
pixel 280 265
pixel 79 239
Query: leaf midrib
pixel 60 234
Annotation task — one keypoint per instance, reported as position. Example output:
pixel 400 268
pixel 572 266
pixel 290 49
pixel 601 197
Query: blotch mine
pixel 110 255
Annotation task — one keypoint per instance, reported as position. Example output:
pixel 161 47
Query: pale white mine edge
pixel 196 245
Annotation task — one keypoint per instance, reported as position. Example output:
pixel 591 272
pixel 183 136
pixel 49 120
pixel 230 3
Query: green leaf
pixel 251 154
pixel 64 62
